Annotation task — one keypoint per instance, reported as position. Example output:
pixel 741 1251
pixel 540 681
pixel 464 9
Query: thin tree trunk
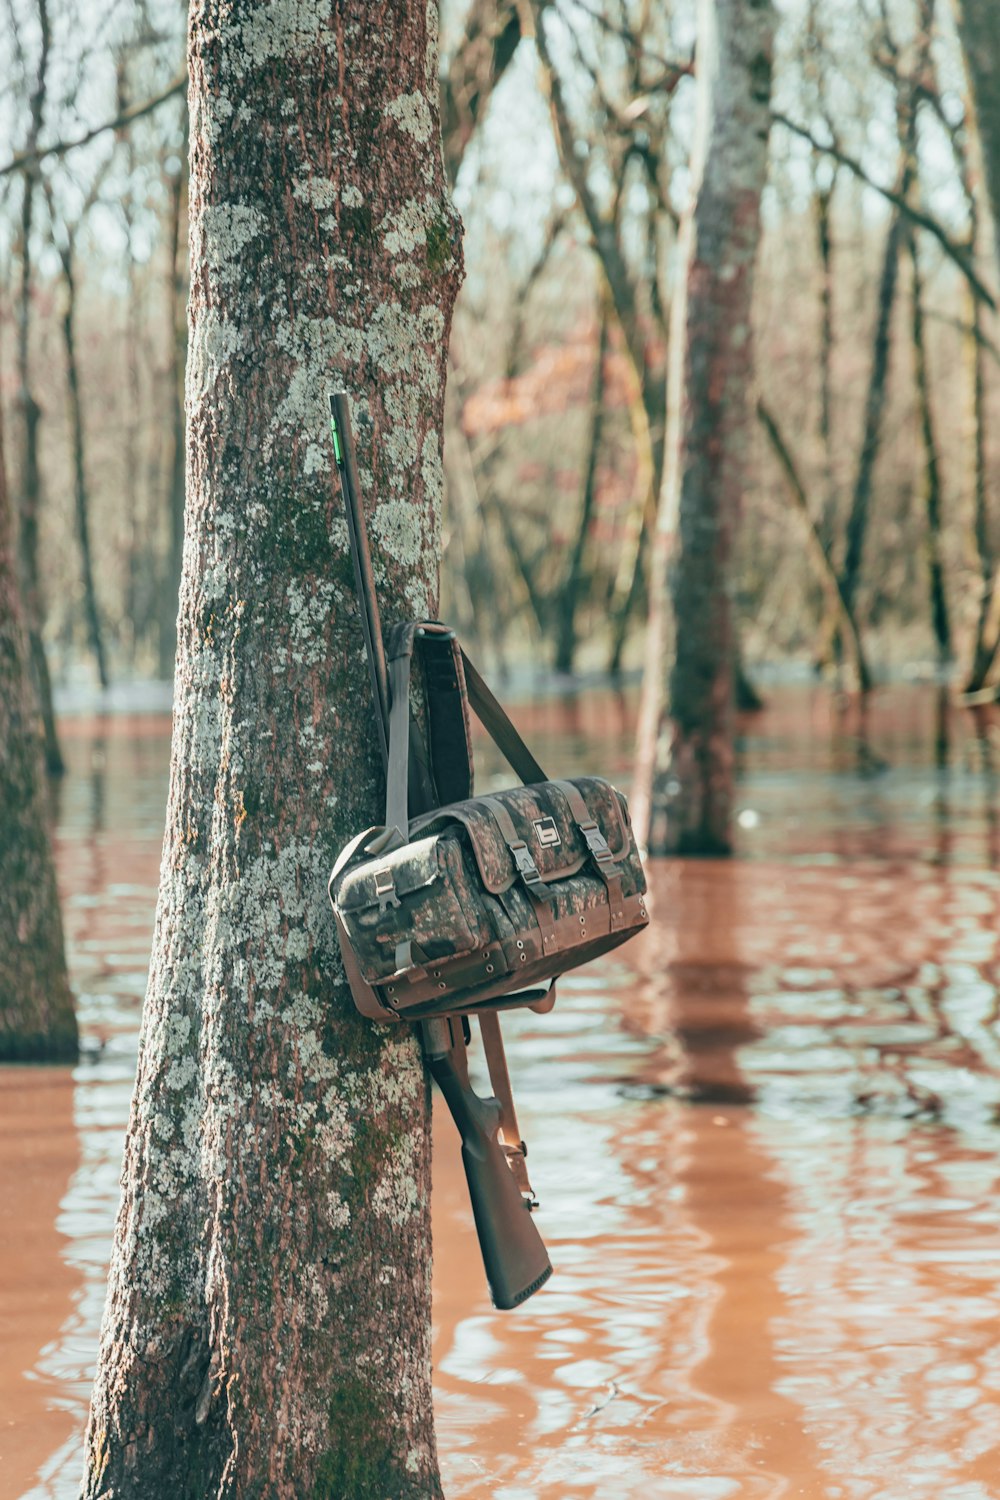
pixel 835 607
pixel 489 40
pixel 568 602
pixel 694 783
pixel 177 353
pixel 36 1006
pixel 267 1331
pixel 624 604
pixel 824 240
pixel 987 638
pixel 133 542
pixel 31 488
pixel 95 633
pixel 878 382
pixel 979 30
pixel 940 619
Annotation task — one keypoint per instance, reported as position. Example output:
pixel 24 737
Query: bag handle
pixel 494 719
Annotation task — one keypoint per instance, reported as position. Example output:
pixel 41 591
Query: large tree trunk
pixel 693 784
pixel 267 1331
pixel 36 1006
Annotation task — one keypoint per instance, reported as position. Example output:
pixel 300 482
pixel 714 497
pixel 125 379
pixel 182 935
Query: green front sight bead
pixel 338 452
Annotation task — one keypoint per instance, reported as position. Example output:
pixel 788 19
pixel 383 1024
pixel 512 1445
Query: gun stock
pixel 514 1256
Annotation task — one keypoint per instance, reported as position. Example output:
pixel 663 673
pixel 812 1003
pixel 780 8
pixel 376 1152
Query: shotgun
pixel 514 1257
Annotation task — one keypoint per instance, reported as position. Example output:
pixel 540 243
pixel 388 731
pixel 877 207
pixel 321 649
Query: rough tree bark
pixel 693 782
pixel 267 1331
pixel 36 1006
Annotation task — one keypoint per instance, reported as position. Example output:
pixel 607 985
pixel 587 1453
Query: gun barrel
pixel 514 1256
pixel 347 466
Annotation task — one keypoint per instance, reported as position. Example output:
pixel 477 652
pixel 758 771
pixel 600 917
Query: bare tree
pixel 692 788
pixel 267 1329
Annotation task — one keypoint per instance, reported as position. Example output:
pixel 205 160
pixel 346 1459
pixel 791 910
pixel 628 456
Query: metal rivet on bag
pixel 524 958
pixel 583 921
pixel 437 973
pixel 489 968
pixel 442 986
pixel 392 989
pixel 519 943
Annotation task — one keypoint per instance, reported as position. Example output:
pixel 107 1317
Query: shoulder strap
pixel 499 727
pixel 399 649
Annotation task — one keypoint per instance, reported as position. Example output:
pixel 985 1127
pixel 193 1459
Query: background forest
pixel 875 324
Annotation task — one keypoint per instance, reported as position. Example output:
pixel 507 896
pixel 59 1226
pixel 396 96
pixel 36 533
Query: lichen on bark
pixel 267 1325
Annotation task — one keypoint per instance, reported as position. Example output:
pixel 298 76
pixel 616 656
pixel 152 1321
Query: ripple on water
pixel 789 1288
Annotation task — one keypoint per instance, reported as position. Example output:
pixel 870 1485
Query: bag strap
pixel 498 726
pixel 515 1148
pixel 399 649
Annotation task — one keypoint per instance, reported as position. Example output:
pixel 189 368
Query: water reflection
pixel 764 1136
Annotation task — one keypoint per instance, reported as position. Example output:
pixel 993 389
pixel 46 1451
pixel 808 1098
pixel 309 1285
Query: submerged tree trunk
pixel 267 1330
pixel 834 607
pixel 176 355
pixel 95 632
pixel 878 380
pixel 36 1006
pixel 568 601
pixel 31 484
pixel 979 29
pixel 693 785
pixel 933 500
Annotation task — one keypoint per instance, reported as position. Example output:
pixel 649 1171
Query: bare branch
pixel 955 253
pixel 135 112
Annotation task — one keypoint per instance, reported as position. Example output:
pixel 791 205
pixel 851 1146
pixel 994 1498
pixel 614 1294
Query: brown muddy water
pixel 764 1137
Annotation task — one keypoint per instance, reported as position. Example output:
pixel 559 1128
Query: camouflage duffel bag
pixel 477 902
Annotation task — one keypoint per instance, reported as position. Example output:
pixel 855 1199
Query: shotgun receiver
pixel 514 1257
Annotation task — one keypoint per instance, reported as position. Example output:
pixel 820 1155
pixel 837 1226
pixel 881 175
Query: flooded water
pixel 764 1137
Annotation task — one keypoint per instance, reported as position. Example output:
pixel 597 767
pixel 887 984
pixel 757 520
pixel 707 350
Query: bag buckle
pixel 385 890
pixel 526 867
pixel 596 842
